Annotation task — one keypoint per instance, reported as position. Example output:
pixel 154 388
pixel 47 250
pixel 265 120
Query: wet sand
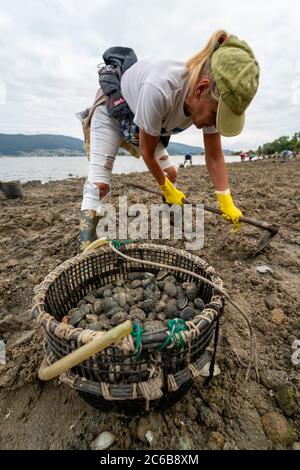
pixel 40 231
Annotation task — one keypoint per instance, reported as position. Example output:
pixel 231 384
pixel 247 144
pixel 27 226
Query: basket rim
pixel 212 310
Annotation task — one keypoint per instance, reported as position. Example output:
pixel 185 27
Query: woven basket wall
pixel 117 378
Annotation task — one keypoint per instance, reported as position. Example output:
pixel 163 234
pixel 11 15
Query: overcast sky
pixel 49 51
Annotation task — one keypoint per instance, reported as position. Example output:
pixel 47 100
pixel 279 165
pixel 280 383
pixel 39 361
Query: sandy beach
pixel 40 231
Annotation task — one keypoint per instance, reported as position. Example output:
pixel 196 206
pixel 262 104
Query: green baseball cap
pixel 236 73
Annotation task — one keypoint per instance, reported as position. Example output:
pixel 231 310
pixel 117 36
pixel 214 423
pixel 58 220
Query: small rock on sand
pixel 204 372
pixel 264 269
pixel 103 441
pixel 277 316
pixel 272 301
pixel 216 440
pixel 276 428
pixel 286 399
pixel 25 337
pixel 143 429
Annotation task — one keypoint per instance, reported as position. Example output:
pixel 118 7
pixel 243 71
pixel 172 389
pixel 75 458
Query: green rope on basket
pixel 176 326
pixel 117 244
pixel 137 332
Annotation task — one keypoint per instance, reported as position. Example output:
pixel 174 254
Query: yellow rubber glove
pixel 230 212
pixel 172 194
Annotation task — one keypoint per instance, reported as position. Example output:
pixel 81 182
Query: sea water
pixel 60 168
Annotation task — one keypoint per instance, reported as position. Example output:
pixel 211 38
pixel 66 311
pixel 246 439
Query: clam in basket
pixel 141 371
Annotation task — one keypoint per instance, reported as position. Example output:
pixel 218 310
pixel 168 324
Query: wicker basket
pixel 118 378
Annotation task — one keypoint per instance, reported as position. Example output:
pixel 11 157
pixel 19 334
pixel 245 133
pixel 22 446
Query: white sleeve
pixel 150 110
pixel 210 130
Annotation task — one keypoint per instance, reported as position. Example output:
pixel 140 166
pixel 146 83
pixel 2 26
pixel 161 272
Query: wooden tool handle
pixel 85 352
pixel 257 223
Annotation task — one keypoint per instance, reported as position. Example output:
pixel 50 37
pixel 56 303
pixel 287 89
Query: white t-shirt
pixel 155 93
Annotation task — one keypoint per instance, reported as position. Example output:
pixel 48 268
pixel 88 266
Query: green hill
pixel 14 144
pixel 175 148
pixel 20 144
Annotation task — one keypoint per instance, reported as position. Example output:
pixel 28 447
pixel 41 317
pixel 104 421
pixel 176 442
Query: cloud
pixel 49 53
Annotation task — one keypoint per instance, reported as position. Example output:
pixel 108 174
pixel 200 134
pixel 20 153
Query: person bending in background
pixel 188 160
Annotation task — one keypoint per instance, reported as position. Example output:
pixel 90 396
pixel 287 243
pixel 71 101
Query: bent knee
pixel 104 188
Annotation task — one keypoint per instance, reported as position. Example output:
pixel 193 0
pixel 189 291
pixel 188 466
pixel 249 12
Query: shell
pixel 98 307
pixel 148 305
pixel 170 289
pixel 187 313
pixel 136 283
pixel 78 315
pixel 182 302
pixel 171 309
pixel 103 441
pixel 107 293
pixel 118 318
pixel 146 283
pixel 192 291
pixel 90 298
pixel 199 304
pixel 161 275
pixel 137 313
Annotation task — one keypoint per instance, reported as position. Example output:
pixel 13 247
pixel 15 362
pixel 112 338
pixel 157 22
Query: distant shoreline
pixel 59 168
pixel 84 156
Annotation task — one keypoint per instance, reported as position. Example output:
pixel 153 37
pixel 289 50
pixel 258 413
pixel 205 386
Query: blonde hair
pixel 199 65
